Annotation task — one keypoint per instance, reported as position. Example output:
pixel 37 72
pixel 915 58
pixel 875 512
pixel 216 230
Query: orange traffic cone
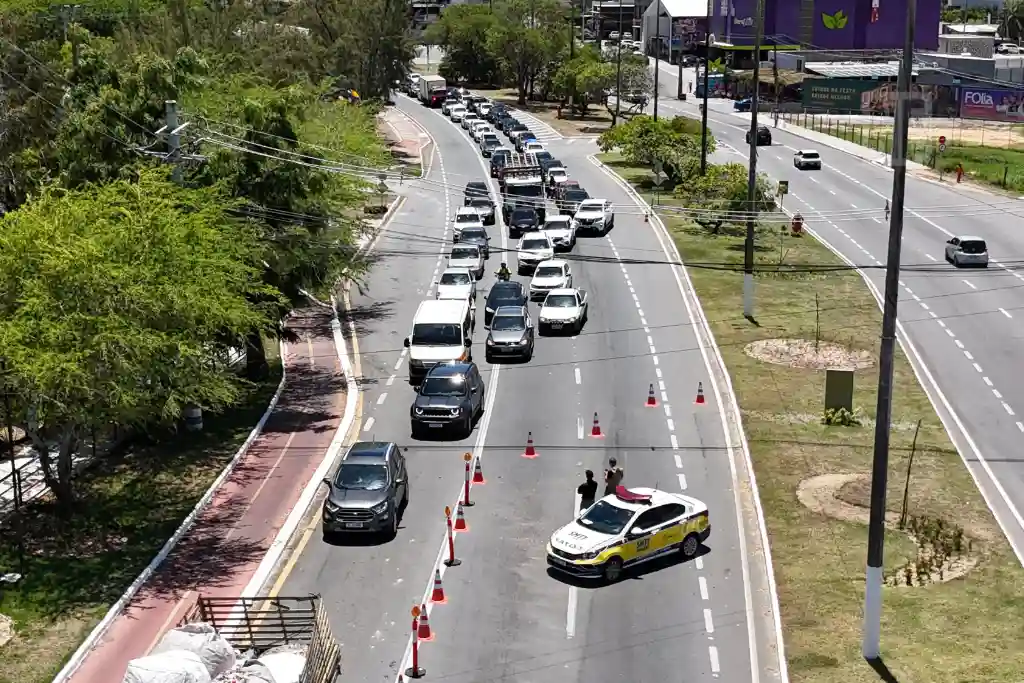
pixel 478 473
pixel 651 401
pixel 530 452
pixel 595 431
pixel 437 597
pixel 424 632
pixel 700 393
pixel 460 520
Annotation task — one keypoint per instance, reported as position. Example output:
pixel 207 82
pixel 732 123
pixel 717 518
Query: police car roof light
pixel 627 496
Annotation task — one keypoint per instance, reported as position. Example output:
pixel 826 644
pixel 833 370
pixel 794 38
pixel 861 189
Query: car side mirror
pixel 949 241
pixel 407 343
pixel 467 342
pixel 583 294
pixel 637 531
pixel 328 482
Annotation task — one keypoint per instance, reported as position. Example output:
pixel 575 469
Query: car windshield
pixel 591 206
pixel 524 215
pixel 476 189
pixel 454 385
pixel 579 196
pixel 535 244
pixel 973 246
pixel 513 323
pixel 605 518
pixel 436 334
pixel 525 190
pixel 474 233
pixel 467 218
pixel 556 225
pixel 499 296
pixel 480 203
pixel 362 477
pixel 491 139
pixel 455 279
pixel 543 156
pixel 810 155
pixel 464 252
pixel 560 301
pixel 549 271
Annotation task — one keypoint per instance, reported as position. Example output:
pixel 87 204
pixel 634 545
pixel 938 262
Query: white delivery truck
pixel 433 91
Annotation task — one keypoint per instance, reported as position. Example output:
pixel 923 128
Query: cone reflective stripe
pixel 530 452
pixel 595 431
pixel 478 473
pixel 424 632
pixel 700 393
pixel 437 597
pixel 460 520
pixel 651 401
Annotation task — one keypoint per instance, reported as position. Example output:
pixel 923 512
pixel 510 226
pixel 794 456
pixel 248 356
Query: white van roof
pixel 442 311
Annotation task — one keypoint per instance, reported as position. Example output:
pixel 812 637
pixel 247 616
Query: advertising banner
pixel 993 105
pixel 854 96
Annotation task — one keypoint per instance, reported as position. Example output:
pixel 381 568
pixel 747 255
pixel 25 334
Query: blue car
pixel 742 105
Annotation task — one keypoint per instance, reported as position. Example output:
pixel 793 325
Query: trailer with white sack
pixel 244 640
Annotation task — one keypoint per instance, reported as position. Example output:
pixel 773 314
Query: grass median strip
pixel 953 605
pixel 129 505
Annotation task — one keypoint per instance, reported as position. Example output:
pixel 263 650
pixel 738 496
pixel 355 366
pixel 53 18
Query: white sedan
pixel 457 111
pixel 478 129
pixel 550 275
pixel 456 283
pixel 561 232
pixel 466 217
pixel 467 256
pixel 563 309
pixel 534 249
pixel 469 119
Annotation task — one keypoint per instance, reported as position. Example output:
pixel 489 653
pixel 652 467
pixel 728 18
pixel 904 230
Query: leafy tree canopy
pixel 462 32
pixel 114 297
pixel 722 195
pixel 674 143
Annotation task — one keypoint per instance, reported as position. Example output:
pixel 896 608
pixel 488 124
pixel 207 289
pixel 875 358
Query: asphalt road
pixel 506 617
pixel 966 325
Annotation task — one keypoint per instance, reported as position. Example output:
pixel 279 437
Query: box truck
pixel 432 91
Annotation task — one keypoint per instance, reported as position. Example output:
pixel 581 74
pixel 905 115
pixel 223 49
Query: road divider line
pixel 383 397
pixel 369 424
pixel 709 625
pixel 713 654
pixel 682 481
pixel 703 584
pixel 579 377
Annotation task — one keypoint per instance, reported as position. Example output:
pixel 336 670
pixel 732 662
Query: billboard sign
pixel 864 96
pixel 994 105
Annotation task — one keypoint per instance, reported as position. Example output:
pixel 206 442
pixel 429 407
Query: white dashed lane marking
pixel 924 306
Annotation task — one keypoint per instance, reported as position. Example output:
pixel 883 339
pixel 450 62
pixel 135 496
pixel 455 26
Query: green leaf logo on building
pixel 715 66
pixel 834 22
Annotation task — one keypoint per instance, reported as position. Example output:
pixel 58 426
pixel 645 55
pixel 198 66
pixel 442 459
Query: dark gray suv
pixel 451 396
pixel 368 491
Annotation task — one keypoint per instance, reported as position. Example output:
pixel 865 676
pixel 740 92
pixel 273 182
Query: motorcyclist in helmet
pixel 503 273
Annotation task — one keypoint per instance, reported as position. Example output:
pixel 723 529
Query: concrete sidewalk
pixel 406 140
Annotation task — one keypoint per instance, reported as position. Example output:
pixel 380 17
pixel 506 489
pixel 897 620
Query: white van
pixel 442 331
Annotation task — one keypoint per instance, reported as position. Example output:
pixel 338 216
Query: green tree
pixel 526 37
pixel 674 143
pixel 584 79
pixel 721 195
pixel 114 299
pixel 462 33
pixel 306 215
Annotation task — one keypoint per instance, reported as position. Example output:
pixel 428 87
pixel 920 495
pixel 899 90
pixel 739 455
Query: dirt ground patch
pixel 6 630
pixel 823 494
pixel 804 353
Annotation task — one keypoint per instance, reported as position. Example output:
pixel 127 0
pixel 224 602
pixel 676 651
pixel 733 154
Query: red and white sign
pixel 942 139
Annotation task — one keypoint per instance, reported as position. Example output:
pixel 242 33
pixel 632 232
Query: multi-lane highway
pixel 507 618
pixel 965 328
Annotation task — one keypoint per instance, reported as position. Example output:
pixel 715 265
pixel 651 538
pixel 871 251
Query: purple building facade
pixel 827 24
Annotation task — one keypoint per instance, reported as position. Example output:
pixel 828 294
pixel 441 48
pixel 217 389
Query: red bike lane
pixel 219 555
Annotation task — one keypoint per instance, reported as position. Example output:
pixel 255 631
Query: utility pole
pixel 679 61
pixel 775 76
pixel 618 68
pixel 704 106
pixel 657 55
pixel 173 138
pixel 872 634
pixel 748 244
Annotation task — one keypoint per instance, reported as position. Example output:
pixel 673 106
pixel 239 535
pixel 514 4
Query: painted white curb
pixel 118 608
pixel 688 291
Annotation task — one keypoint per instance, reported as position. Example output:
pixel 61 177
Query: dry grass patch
pixel 963 630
